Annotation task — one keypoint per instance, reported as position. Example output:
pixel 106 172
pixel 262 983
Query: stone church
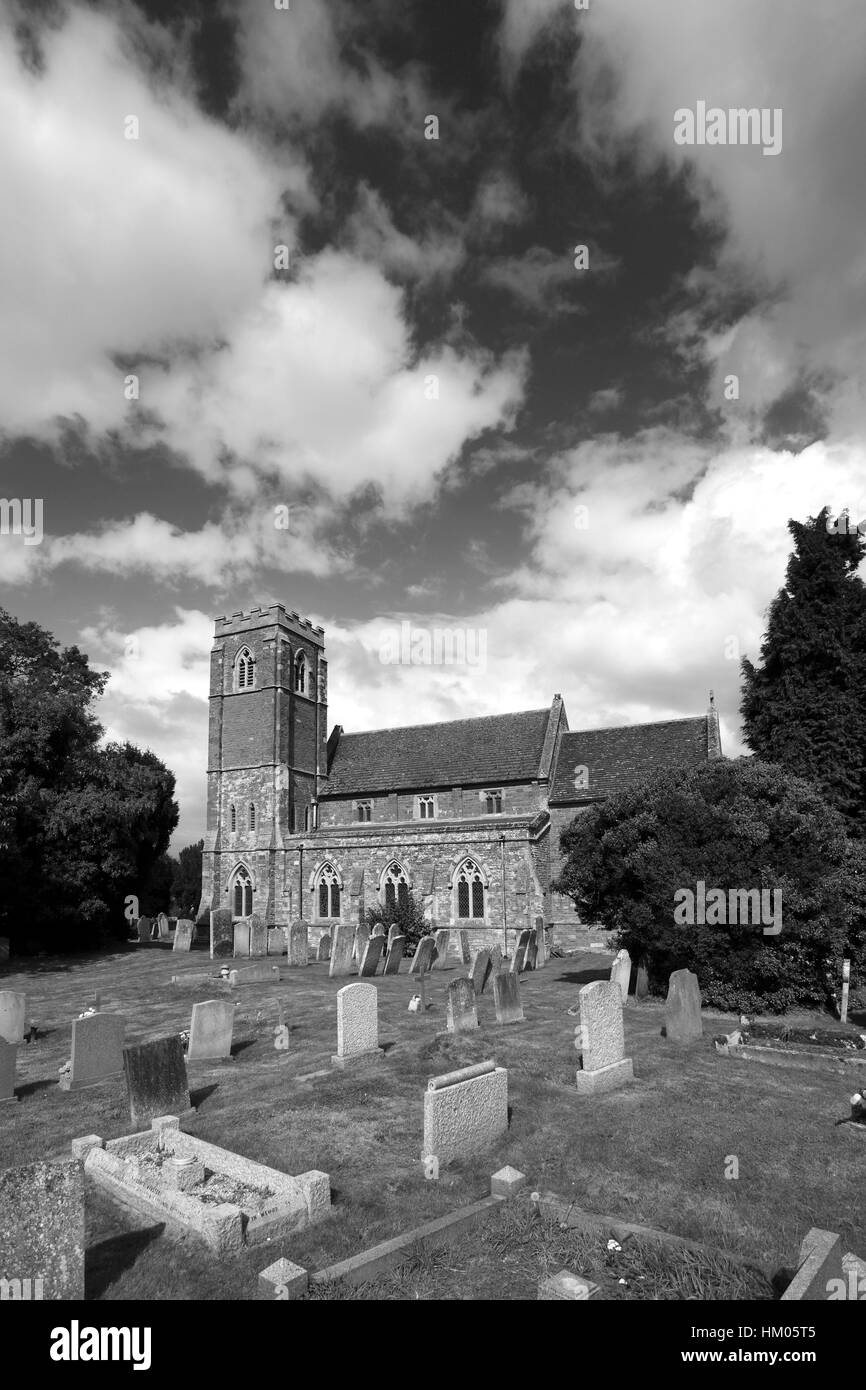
pixel 466 815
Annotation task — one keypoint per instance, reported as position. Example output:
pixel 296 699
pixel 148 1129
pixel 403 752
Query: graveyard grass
pixel 653 1153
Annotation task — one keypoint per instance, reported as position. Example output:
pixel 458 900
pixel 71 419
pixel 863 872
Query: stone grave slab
pixel 258 936
pixel 440 939
pixel 422 960
pixel 600 1039
pixel 156 1080
pixel 480 971
pixel 8 1055
pixel 13 1008
pixel 395 956
pixel 42 1227
pixel 620 972
pixel 222 936
pixel 184 934
pixel 342 946
pixel 357 1025
pixel 241 943
pixel 144 927
pixel 520 951
pixel 506 997
pixel 372 955
pixel 683 1008
pixel 461 1012
pixel 210 1034
pixel 299 943
pixel 97 1051
pixel 465 1112
pixel 323 950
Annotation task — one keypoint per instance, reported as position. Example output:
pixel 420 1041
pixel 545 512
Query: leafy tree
pixel 80 824
pixel 407 915
pixel 740 824
pixel 804 705
pixel 156 894
pixel 186 880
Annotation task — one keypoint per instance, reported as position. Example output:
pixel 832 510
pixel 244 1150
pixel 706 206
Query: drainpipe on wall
pixel 300 911
pixel 504 909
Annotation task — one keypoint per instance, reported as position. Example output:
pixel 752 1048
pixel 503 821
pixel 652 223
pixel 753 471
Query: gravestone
pixel 620 972
pixel 97 1051
pixel 422 960
pixel 641 986
pixel 222 935
pixel 13 1007
pixel 393 931
pixel 156 1080
pixel 8 1054
pixel 530 960
pixel 342 946
pixel 683 1008
pixel 465 1111
pixel 323 951
pixel 395 955
pixel 600 1039
pixel 210 1033
pixel 481 968
pixel 465 952
pixel 541 943
pixel 42 1228
pixel 461 1013
pixel 372 955
pixel 184 934
pixel 278 943
pixel 440 940
pixel 163 927
pixel 241 941
pixel 362 936
pixel 357 1024
pixel 4 948
pixel 495 958
pixel 299 943
pixel 520 951
pixel 506 997
pixel 378 928
pixel 258 936
pixel 144 926
pixel 256 973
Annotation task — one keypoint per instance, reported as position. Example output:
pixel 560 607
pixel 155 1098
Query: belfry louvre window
pixel 301 674
pixel 470 891
pixel 493 802
pixel 233 816
pixel 245 670
pixel 252 817
pixel 396 885
pixel 329 892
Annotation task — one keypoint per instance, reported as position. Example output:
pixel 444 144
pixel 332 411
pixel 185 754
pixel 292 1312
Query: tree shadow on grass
pixel 583 977
pixel 107 1260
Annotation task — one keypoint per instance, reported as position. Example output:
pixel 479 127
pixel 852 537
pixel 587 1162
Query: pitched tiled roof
pixel 615 758
pixel 496 748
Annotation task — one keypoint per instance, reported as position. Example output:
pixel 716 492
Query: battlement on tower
pixel 276 615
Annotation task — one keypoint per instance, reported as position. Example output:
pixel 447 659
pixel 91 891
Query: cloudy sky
pixel 327 310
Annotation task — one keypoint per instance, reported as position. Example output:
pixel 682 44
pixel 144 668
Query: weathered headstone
pixel 378 929
pixel 241 942
pixel 256 973
pixel 357 1024
pixel 641 984
pixel 520 951
pixel 210 1033
pixel 362 936
pixel 495 958
pixel 299 943
pixel 683 1008
pixel 222 935
pixel 184 934
pixel 163 927
pixel 323 951
pixel 531 958
pixel 8 1054
pixel 13 1007
pixel 393 931
pixel 541 943
pixel 258 936
pixel 97 1051
pixel 461 1014
pixel 481 968
pixel 278 941
pixel 144 926
pixel 440 960
pixel 422 960
pixel 600 1039
pixel 42 1228
pixel 342 944
pixel 506 997
pixel 156 1079
pixel 372 955
pixel 465 952
pixel 395 955
pixel 465 1112
pixel 620 972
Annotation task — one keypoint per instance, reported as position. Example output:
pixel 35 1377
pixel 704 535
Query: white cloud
pixel 371 234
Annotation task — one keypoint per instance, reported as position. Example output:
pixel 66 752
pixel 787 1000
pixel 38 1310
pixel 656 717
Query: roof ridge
pixel 644 724
pixel 440 723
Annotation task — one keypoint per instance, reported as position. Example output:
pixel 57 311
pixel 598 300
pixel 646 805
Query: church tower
pixel 267 758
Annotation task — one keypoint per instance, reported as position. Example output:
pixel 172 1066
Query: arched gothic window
pixel 233 816
pixel 301 674
pixel 245 670
pixel 396 884
pixel 252 817
pixel 328 885
pixel 470 890
pixel 242 894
